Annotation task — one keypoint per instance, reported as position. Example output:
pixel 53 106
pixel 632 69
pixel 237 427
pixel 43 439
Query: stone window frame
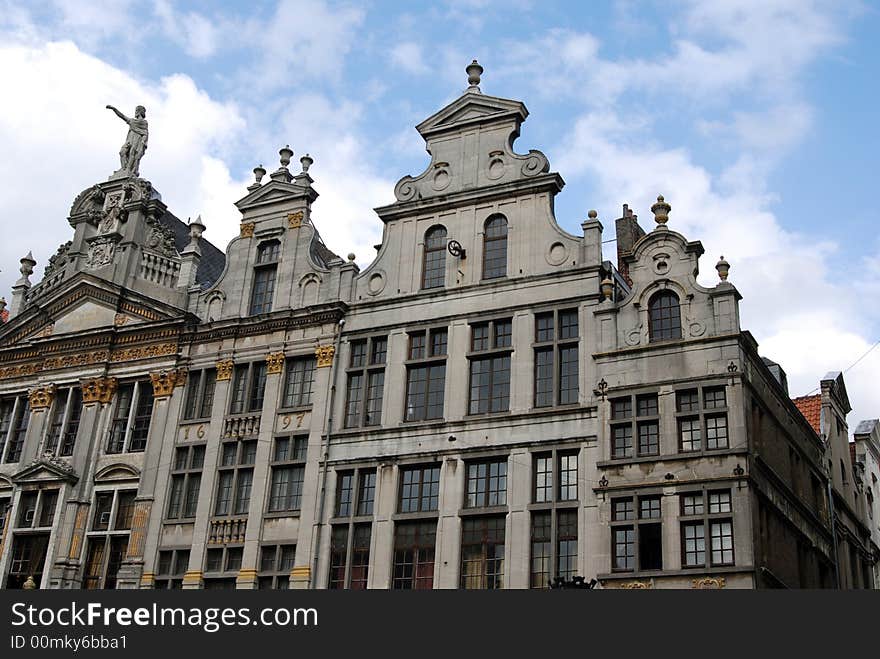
pixel 432 249
pixel 42 514
pixel 701 414
pixel 294 461
pixel 293 392
pixel 242 463
pixel 230 561
pixel 486 481
pixel 267 267
pixel 178 562
pixel 358 413
pixel 351 529
pixel 251 401
pixel 185 474
pixel 494 243
pixel 121 435
pixel 664 315
pixel 638 417
pixel 556 507
pixel 425 357
pixel 421 554
pixel 276 577
pixel 199 399
pixel 13 427
pixel 492 351
pixel 555 345
pixel 492 534
pixel 706 520
pixel 634 518
pixel 64 419
pixel 109 539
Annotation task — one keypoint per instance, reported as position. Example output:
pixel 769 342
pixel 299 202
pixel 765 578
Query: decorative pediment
pixel 117 472
pixel 275 192
pixel 47 468
pixel 470 108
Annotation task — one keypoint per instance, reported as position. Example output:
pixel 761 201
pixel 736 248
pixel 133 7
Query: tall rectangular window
pixel 365 386
pixel 298 380
pixel 554 525
pixel 107 539
pixel 486 484
pixel 64 424
pixel 635 434
pixel 556 358
pixel 276 564
pixel 414 546
pixel 419 489
pixel 287 474
pixel 15 415
pixel 706 516
pixel 482 552
pixel 426 374
pixel 199 394
pixel 352 529
pixel 186 480
pixel 248 388
pixel 636 534
pixel 265 272
pixel 131 418
pixel 702 426
pixel 170 568
pixel 491 349
pixel 235 476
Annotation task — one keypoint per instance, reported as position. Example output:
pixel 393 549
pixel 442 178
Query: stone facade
pixel 488 404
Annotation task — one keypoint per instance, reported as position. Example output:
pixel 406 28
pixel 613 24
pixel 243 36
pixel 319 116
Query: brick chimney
pixel 628 233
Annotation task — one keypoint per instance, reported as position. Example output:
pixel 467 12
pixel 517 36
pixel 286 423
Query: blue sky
pixel 756 120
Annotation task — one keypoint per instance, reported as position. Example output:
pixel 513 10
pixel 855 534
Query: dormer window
pixel 664 316
pixel 495 248
pixel 265 271
pixel 434 262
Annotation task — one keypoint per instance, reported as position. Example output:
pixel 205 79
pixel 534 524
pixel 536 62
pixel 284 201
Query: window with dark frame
pixel 350 539
pixel 248 388
pixel 414 548
pixel 222 565
pixel 554 526
pixel 199 394
pixel 426 374
pixel 434 261
pixel 64 424
pixel 170 569
pixel 365 386
pixel 276 564
pixel 664 316
pixel 5 505
pixel 131 418
pixel 299 378
pixel 265 272
pixel 636 533
pixel 495 247
pixel 635 434
pixel 107 538
pixel 36 509
pixel 490 355
pixel 702 427
pixel 287 473
pixel 706 514
pixel 419 489
pixel 186 481
pixel 235 476
pixel 486 484
pixel 482 552
pixel 556 358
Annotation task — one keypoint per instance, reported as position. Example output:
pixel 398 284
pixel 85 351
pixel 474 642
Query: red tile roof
pixel 811 408
pixel 4 315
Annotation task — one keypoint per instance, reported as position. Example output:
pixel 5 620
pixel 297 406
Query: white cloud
pixel 408 57
pixel 197 35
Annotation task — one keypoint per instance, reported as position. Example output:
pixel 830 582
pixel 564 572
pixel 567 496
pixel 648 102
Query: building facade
pixel 488 404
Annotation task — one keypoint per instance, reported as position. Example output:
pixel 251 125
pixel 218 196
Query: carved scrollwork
pixel 275 363
pixel 709 583
pixel 58 260
pixel 405 190
pixel 324 355
pixel 41 397
pixel 224 369
pixel 634 336
pixel 535 163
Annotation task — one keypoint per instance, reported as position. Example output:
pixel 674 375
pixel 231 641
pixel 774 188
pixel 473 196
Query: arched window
pixel 495 248
pixel 265 271
pixel 664 316
pixel 434 262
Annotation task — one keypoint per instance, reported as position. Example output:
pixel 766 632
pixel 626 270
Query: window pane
pixel 495 248
pixel 719 502
pixel 646 405
pixel 621 441
pixel 622 510
pixel 367 492
pixel 714 397
pixel 649 438
pixel 353 400
pixel 716 431
pixel 543 478
pixel 503 333
pixel 689 434
pixel 624 548
pixel 568 324
pixel 414 544
pixel 694 538
pixel 543 377
pixel 434 267
pixel 568 477
pixel 621 408
pixel 439 338
pixel 544 327
pixel 687 401
pixel 568 375
pixel 566 544
pixel 722 543
pixel 665 316
pixel 541 550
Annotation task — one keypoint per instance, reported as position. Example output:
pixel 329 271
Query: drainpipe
pixel 325 455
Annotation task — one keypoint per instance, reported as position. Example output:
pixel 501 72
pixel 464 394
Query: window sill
pixel 281 514
pixel 485 510
pixel 178 522
pixel 430 516
pixel 545 506
pixel 294 410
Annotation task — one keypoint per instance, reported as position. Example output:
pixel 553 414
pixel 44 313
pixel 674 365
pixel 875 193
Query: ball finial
pixel 592 215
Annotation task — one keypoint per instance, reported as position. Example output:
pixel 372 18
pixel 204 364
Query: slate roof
pixel 213 259
pixel 811 408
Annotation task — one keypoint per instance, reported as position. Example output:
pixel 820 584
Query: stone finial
pixel 592 214
pixel 196 228
pixel 259 173
pixel 306 161
pixel 27 266
pixel 661 211
pixel 351 256
pixel 286 154
pixel 723 268
pixel 607 288
pixel 474 71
